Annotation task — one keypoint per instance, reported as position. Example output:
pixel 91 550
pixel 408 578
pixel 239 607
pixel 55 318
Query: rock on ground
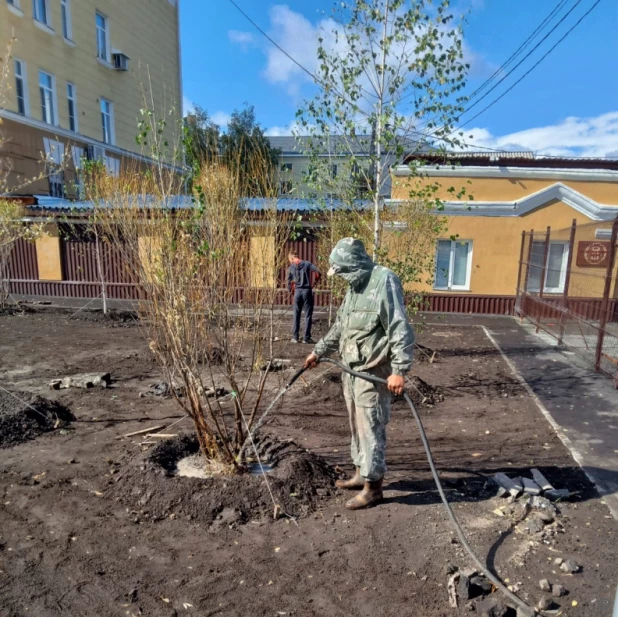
pixel 85 381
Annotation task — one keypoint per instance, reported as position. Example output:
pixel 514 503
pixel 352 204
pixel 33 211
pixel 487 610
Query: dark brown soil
pixel 151 488
pixel 113 317
pixel 24 416
pixel 74 541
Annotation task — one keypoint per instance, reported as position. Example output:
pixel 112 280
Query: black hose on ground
pixel 527 610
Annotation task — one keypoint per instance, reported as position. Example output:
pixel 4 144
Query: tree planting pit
pixel 172 481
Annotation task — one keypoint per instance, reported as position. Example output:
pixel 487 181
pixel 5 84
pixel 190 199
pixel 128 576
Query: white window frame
pixel 107 57
pixel 67 20
pixel 450 286
pixel 23 77
pixel 563 267
pixel 112 132
pixel 72 98
pixel 36 14
pixel 15 7
pixel 79 155
pixel 54 154
pixel 53 99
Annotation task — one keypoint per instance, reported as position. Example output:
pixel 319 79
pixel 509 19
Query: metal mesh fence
pixel 568 287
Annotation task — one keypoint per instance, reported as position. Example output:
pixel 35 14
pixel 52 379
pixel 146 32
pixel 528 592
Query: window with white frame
pixel 285 185
pixel 40 11
pixel 72 102
pixel 79 156
pixel 107 121
pixel 67 25
pixel 555 266
pixel 54 154
pixel 48 97
pixel 453 264
pixel 102 37
pixel 21 87
pixel 14 3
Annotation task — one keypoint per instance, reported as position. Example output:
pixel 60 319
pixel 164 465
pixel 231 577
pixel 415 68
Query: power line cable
pixel 523 59
pixel 514 55
pixel 287 55
pixel 551 49
pixel 318 81
pixel 501 68
pixel 306 70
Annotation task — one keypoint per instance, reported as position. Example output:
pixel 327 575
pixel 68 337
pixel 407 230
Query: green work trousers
pixel 369 408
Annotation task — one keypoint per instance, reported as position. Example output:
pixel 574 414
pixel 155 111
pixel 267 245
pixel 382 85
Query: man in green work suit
pixel 373 335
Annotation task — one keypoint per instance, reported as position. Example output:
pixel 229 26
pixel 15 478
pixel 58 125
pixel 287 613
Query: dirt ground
pixel 70 545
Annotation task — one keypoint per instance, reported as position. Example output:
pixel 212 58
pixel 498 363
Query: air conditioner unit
pixel 120 61
pixel 95 153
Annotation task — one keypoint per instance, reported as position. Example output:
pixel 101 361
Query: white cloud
pixel 244 39
pixel 291 129
pixel 592 137
pixel 221 118
pixel 278 131
pixel 299 37
pixel 188 106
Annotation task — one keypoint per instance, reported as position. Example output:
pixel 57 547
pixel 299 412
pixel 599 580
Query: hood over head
pixel 350 260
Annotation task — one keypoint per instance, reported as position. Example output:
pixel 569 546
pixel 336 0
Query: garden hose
pixel 527 610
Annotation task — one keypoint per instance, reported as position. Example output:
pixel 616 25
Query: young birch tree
pixel 390 78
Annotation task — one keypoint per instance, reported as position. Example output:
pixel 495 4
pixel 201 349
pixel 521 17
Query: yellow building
pixel 513 193
pixel 78 71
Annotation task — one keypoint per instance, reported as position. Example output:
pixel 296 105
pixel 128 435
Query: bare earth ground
pixel 69 548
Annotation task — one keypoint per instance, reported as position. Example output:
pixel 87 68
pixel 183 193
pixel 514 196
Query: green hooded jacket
pixel 372 327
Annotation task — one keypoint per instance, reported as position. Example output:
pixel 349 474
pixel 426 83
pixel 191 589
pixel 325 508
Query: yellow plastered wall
pixel 144 30
pixel 262 251
pixel 496 241
pixel 506 189
pixel 48 256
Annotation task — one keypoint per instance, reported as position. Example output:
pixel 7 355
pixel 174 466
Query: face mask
pixel 355 278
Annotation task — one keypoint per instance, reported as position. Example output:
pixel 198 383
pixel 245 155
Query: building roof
pixel 334 144
pixel 254 204
pixel 514 159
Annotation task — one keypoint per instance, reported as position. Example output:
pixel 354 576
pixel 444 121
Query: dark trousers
pixel 303 298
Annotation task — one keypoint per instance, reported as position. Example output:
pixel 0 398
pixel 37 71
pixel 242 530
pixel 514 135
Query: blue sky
pixel 568 105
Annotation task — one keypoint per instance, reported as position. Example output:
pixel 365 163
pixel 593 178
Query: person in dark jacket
pixel 300 284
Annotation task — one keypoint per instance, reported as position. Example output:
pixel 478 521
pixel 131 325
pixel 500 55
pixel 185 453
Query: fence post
pixel 606 289
pixel 525 289
pixel 543 275
pixel 567 280
pixel 521 260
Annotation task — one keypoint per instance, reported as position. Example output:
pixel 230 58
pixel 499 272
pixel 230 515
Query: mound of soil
pixel 424 394
pixel 425 355
pixel 15 309
pixel 115 318
pixel 326 388
pixel 151 488
pixel 24 416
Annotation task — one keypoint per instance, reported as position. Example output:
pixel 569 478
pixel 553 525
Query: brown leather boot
pixel 369 496
pixel 354 482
